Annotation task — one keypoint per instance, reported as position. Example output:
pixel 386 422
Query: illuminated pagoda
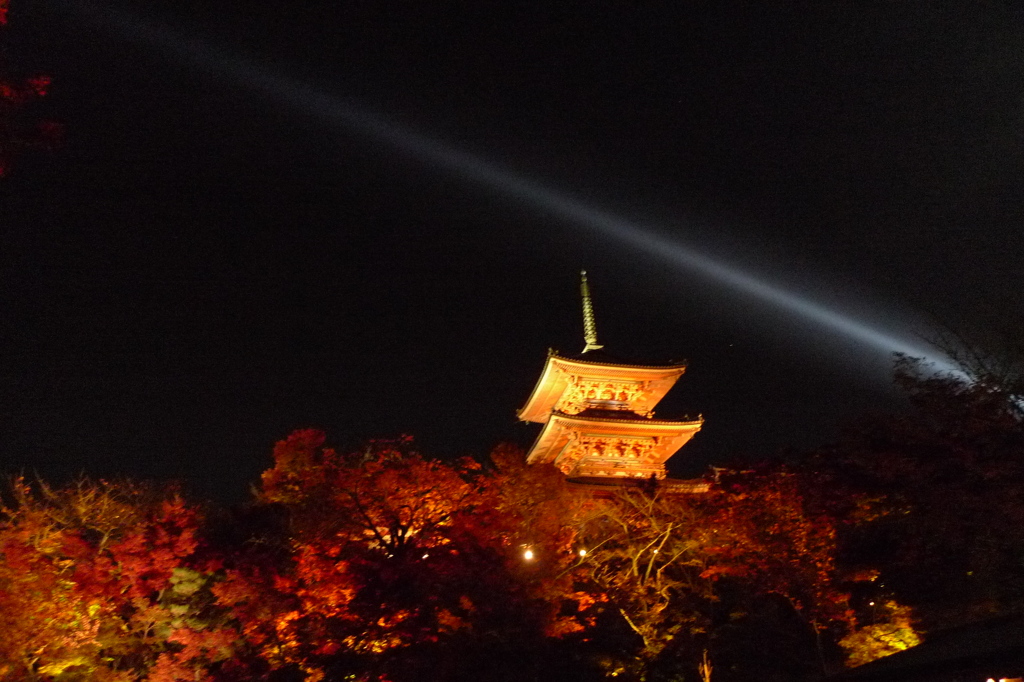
pixel 598 415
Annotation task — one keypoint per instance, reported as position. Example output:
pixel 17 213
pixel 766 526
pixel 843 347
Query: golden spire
pixel 589 328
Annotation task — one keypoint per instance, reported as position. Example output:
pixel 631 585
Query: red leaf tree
pixel 395 558
pixel 106 581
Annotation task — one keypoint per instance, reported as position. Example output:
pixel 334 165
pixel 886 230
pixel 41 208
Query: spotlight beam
pixel 331 109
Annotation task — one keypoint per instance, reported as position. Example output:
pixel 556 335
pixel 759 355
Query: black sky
pixel 201 269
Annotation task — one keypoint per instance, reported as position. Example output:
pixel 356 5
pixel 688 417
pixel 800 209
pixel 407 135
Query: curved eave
pixel 555 435
pixel 551 385
pixel 539 404
pixel 580 420
pixel 617 363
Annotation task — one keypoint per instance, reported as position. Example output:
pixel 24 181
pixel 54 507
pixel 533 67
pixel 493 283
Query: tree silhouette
pixel 17 133
pixel 933 498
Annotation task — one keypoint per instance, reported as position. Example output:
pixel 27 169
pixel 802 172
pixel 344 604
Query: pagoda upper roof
pixel 564 376
pixel 601 357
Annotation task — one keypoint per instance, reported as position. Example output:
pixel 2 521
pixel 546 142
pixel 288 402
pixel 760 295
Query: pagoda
pixel 598 414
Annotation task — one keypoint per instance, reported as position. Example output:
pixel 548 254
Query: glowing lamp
pixel 528 555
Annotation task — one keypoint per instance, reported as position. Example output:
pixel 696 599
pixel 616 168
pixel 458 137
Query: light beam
pixel 336 111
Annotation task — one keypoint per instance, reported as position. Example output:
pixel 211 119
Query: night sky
pixel 204 267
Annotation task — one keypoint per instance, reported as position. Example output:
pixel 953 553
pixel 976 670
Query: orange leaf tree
pixel 107 585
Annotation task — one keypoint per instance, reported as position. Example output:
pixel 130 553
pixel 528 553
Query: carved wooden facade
pixel 598 417
pixel 598 414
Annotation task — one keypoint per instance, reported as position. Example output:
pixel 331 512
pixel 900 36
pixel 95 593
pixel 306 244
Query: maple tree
pixel 775 557
pixel 684 570
pixel 383 564
pixel 392 555
pixel 360 520
pixel 540 513
pixel 48 626
pixel 109 585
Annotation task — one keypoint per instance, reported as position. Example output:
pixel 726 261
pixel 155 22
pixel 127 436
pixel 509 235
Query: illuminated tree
pixel 684 571
pixel 389 552
pixel 537 512
pixel 109 586
pixel 400 566
pixel 783 598
pixel 389 499
pixel 384 564
pixel 762 530
pixel 642 550
pixel 48 626
pixel 891 629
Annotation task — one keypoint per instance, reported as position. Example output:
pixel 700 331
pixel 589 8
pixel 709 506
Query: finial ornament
pixel 589 327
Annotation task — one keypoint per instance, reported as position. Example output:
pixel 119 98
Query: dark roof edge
pixel 613 420
pixel 615 363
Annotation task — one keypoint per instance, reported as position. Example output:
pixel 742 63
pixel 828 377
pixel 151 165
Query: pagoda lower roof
pixel 620 417
pixel 562 430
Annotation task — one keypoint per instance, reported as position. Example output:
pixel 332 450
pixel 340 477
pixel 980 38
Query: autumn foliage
pixel 384 564
pixel 393 557
pixel 105 581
